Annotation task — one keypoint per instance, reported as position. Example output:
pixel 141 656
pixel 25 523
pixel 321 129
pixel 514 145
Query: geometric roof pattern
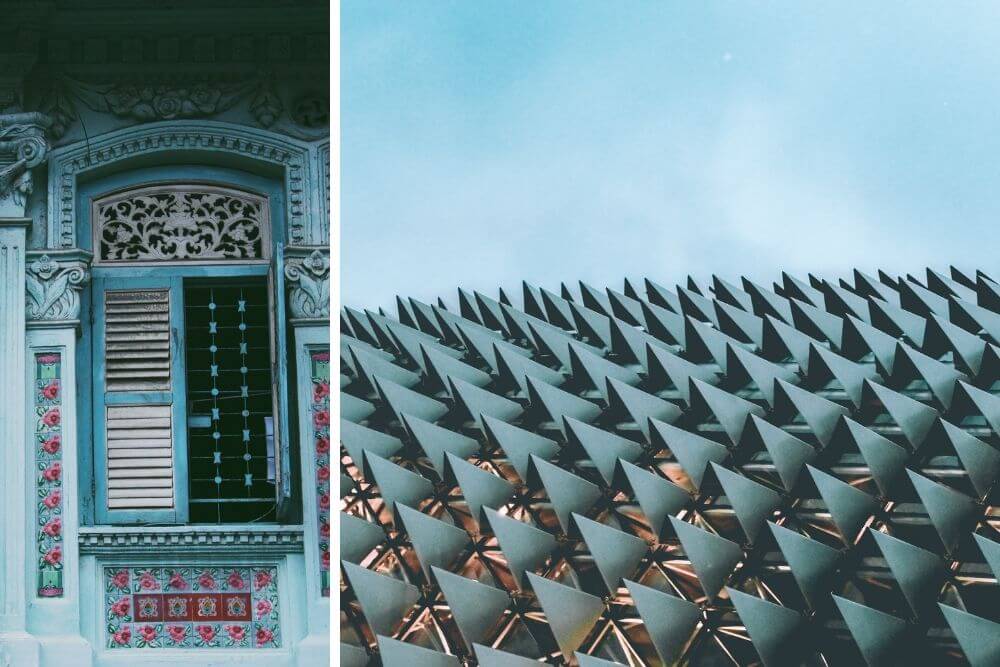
pixel 714 474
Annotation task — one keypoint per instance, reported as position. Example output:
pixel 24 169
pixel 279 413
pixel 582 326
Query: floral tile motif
pixel 48 477
pixel 321 437
pixel 192 607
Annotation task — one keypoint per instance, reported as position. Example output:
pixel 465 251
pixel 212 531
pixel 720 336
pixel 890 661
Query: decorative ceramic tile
pixel 48 475
pixel 192 607
pixel 321 438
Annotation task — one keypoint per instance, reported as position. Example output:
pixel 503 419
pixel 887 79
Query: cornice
pixel 186 540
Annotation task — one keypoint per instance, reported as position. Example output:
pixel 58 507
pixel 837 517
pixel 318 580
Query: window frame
pixel 93 491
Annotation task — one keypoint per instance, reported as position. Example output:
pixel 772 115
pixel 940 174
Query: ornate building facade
pixel 164 338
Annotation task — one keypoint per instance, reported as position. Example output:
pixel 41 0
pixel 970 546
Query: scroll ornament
pixel 309 286
pixel 53 288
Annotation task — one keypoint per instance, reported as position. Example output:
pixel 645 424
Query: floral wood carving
pixel 181 224
pixel 53 283
pixel 308 279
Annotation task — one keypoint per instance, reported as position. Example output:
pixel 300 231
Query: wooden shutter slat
pixel 140 464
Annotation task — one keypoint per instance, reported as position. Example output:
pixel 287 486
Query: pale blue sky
pixel 489 142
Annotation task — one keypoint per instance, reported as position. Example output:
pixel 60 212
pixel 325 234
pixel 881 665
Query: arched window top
pixel 180 223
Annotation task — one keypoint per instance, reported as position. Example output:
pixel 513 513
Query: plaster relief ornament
pixel 146 103
pixel 53 288
pixel 309 281
pixel 23 146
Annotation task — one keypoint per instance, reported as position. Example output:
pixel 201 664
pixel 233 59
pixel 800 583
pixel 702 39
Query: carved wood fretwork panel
pixel 180 223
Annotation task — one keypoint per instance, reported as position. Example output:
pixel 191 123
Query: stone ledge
pixel 114 540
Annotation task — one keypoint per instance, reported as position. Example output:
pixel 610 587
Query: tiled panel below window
pixel 192 607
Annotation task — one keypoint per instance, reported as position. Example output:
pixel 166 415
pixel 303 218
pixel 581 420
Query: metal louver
pixel 137 340
pixel 798 475
pixel 140 457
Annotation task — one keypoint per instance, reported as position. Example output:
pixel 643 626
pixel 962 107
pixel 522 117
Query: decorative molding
pixel 180 540
pixel 68 162
pixel 47 392
pixel 307 273
pixel 23 146
pixel 180 223
pixel 53 281
pixel 191 606
pixel 323 158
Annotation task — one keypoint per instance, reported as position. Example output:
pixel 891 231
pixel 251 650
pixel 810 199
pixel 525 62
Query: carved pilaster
pixel 307 276
pixel 53 281
pixel 23 146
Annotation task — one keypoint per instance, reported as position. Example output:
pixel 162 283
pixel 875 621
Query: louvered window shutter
pixel 285 507
pixel 139 402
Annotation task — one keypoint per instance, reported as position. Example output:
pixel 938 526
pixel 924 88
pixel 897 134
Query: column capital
pixel 53 281
pixel 307 276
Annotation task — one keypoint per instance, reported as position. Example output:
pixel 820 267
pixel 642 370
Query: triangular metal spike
pixel 474 402
pixel 914 418
pixel 879 636
pixel 362 327
pixel 515 369
pixel 693 285
pixel 347 340
pixel 774 630
pixel 824 364
pixel 571 613
pixel 818 323
pixel 595 300
pixel 517 324
pixel 731 294
pixel 406 401
pixel 630 344
pixel 358 537
pixel 744 367
pixel 556 343
pixel 626 308
pixel 886 460
pixel 480 488
pixel 434 541
pixel 975 318
pixel 665 325
pixel 918 572
pixel 692 451
pixel 980 460
pixel 812 563
pixel 468 307
pixel 696 306
pixel 369 365
pixel 752 502
pixel 440 366
pixel 616 554
pixel 707 344
pixel 991 551
pixel 765 302
pixel 975 400
pixel 941 378
pixel 408 340
pixel 788 453
pixel 713 558
pixel 782 340
pixel 967 348
pixel 978 637
pixel 435 440
pixel 567 493
pixel 532 301
pixel 476 607
pixel 867 285
pixel 354 409
pixel 843 302
pixel 557 403
pixel 593 371
pixel 796 289
pixel 953 514
pixel 490 312
pixel 668 368
pixel 662 297
pixel 352 656
pixel 731 411
pixel 426 321
pixel 821 415
pixel 860 338
pixel 849 507
pixel 396 483
pixel 640 406
pixel 630 290
pixel 961 278
pixel 740 324
pixel 946 287
pixel 519 444
pixel 483 345
pixel 384 600
pixel 491 657
pixel 346 485
pixel 594 326
pixel 669 620
pixel 524 547
pixel 557 309
pixel 450 323
pixel 602 447
pixel 897 322
pixel 395 653
pixel 358 439
pixel 657 497
pixel 987 294
pixel 920 300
